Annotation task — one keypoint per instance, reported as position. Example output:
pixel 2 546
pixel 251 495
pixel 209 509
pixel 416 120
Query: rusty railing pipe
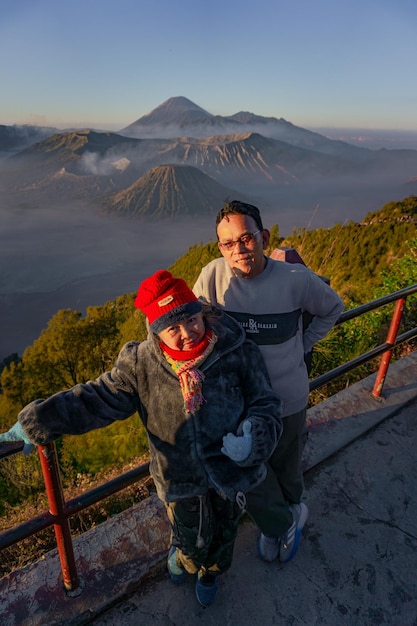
pixel 54 491
pixel 391 339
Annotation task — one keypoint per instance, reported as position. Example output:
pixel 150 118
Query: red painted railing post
pixel 53 485
pixel 386 357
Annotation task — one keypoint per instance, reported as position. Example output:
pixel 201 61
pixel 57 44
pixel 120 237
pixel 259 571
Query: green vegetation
pixel 354 255
pixel 363 261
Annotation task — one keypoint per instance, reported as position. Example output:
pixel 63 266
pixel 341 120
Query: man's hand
pixel 238 448
pixel 16 433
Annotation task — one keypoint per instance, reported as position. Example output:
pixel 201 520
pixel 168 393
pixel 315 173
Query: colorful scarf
pixel 184 363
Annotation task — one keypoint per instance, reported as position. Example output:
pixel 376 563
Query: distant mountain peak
pixel 180 117
pixel 180 104
pixel 174 111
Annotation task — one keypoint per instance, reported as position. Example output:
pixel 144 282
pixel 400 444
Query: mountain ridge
pixel 179 115
pixel 57 227
pixel 267 158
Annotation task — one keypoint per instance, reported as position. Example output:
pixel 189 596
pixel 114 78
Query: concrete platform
pixel 356 563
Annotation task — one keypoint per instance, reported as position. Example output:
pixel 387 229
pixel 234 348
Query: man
pixel 268 298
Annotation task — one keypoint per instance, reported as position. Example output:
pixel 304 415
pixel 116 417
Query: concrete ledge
pixel 112 560
pixel 349 414
pixel 116 557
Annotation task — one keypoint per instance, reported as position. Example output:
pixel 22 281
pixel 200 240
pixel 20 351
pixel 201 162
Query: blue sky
pixel 104 64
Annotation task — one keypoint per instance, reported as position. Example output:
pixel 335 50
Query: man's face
pixel 242 245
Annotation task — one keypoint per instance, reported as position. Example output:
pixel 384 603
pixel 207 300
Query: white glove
pixel 16 433
pixel 238 448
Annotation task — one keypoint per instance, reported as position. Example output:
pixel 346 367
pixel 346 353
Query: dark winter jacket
pixel 186 455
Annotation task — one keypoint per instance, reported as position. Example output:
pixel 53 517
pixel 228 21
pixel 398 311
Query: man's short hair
pixel 235 207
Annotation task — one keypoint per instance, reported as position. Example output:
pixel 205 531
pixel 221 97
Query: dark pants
pixel 204 530
pixel 268 504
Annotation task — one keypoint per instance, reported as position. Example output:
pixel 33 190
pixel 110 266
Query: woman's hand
pixel 238 448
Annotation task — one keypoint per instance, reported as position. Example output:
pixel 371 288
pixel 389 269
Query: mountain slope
pixel 175 111
pixel 16 138
pixel 83 154
pixel 240 159
pixel 305 170
pixel 179 117
pixel 168 191
pixel 87 164
pixel 248 158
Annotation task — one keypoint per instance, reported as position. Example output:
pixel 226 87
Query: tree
pixel 190 264
pixel 274 239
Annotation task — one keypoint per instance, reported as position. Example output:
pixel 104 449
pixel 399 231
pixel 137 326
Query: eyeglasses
pixel 246 240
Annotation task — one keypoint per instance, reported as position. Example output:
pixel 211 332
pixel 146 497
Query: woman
pixel 212 421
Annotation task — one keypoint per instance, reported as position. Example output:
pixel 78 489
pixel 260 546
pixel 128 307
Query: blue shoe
pixel 290 541
pixel 206 591
pixel 177 573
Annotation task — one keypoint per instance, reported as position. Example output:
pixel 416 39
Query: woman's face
pixel 185 335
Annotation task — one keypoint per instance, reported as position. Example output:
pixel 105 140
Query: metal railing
pixel 392 340
pixel 60 510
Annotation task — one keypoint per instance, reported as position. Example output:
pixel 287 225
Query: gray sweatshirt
pixel 269 307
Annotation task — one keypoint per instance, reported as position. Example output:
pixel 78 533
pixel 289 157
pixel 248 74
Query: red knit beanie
pixel 165 300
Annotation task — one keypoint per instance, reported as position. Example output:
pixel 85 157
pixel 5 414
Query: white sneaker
pixel 289 542
pixel 268 548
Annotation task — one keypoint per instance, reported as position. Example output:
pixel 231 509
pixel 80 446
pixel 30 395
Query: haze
pixel 60 256
pixel 76 260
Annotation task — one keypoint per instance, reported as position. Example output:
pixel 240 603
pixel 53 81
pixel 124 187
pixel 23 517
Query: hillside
pixel 352 255
pixel 404 211
pixel 169 191
pixel 16 138
pixel 83 154
pixel 246 159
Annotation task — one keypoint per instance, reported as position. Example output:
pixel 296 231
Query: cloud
pixel 92 163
